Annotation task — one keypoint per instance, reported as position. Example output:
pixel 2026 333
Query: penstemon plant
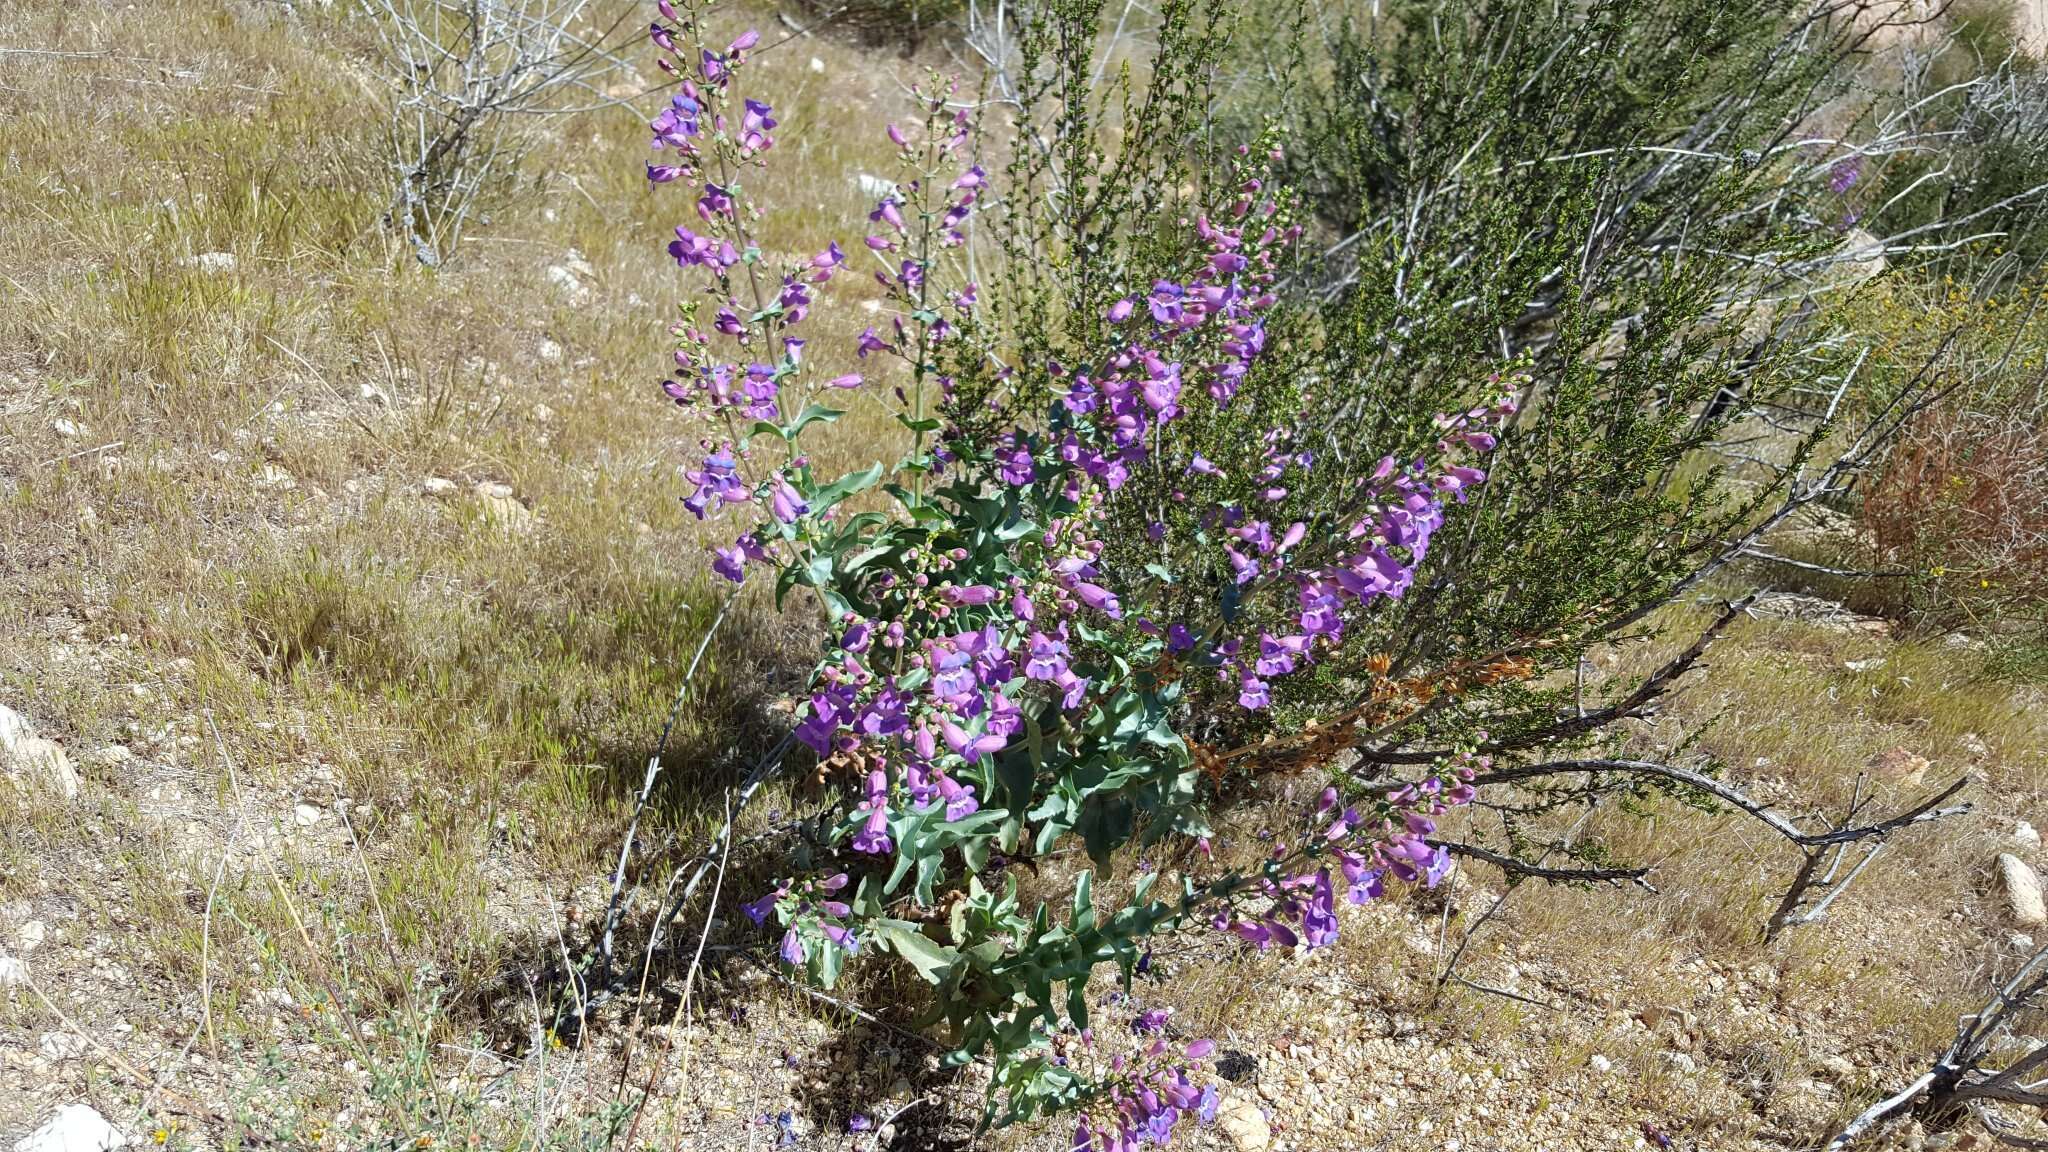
pixel 1000 680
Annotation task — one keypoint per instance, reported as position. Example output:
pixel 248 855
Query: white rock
pixel 1869 665
pixel 112 756
pixel 1974 745
pixel 210 262
pixel 568 283
pixel 1679 1062
pixel 374 394
pixel 2022 890
pixel 817 65
pixel 2021 942
pixel 550 351
pixel 75 1128
pixel 437 486
pixel 542 414
pixel 1244 1124
pixel 38 765
pixel 69 429
pixel 13 727
pixel 501 509
pixel 271 478
pixel 1600 1063
pixel 30 935
pixel 306 815
pixel 2023 833
pixel 60 1046
pixel 12 971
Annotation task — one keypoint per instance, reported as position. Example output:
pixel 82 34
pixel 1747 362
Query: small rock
pixel 210 262
pixel 543 414
pixel 501 509
pixel 437 486
pixel 550 351
pixel 2024 834
pixel 817 65
pixel 12 971
pixel 1839 1067
pixel 571 286
pixel 68 429
pixel 75 1128
pixel 1974 745
pixel 374 394
pixel 1870 665
pixel 2021 942
pixel 56 1046
pixel 1244 1124
pixel 30 935
pixel 271 478
pixel 1900 766
pixel 36 764
pixel 108 758
pixel 306 815
pixel 2022 890
pixel 1600 1063
pixel 1679 1062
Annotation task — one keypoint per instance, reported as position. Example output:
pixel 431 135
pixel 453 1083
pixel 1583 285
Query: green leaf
pixel 815 414
pixel 845 486
pixel 931 958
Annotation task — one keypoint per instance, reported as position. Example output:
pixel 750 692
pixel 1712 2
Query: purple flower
pixel 760 909
pixel 1843 175
pixel 1151 1020
pixel 793 951
pixel 715 201
pixel 755 125
pixel 662 173
pixel 974 594
pixel 1121 310
pixel 1439 867
pixel 958 797
pixel 873 837
pixel 859 1123
pixel 850 380
pixel 869 342
pixel 1048 657
pixel 746 40
pixel 825 263
pixel 1319 923
pixel 785 502
pixel 1252 694
pixel 1099 598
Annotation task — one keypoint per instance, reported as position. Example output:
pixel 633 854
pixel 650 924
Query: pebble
pixel 2024 835
pixel 1244 1124
pixel 501 509
pixel 1600 1063
pixel 271 478
pixel 2022 886
pixel 75 1128
pixel 306 815
pixel 1900 766
pixel 12 971
pixel 32 762
pixel 210 262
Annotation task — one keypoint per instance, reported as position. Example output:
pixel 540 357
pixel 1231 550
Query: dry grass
pixel 384 741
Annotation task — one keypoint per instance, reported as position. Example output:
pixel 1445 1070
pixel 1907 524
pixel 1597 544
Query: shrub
pixel 1961 505
pixel 997 683
pixel 1176 510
